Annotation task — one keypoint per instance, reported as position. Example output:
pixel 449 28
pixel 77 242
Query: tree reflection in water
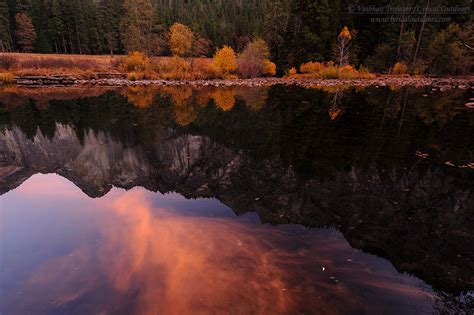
pixel 394 176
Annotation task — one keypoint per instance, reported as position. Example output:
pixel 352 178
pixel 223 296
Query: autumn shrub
pixel 138 67
pixel 7 77
pixel 202 68
pixel 135 76
pixel 347 72
pixel 364 73
pixel 134 62
pixel 399 68
pixel 311 67
pixel 253 60
pixel 268 68
pixel 174 68
pixel 7 61
pixel 330 71
pixel 224 62
pixel 291 73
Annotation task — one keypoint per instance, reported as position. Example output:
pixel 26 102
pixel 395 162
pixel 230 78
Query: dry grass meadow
pixel 85 66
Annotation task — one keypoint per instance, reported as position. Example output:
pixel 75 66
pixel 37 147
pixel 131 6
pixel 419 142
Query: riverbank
pixel 118 80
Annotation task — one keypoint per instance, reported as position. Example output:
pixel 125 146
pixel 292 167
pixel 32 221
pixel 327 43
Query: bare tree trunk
pixel 64 43
pixel 77 38
pixel 421 33
pixel 402 29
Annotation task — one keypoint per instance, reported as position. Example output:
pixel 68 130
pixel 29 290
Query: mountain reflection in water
pixel 390 171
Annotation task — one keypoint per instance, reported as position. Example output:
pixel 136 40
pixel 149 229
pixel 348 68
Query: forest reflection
pixel 186 98
pixel 431 107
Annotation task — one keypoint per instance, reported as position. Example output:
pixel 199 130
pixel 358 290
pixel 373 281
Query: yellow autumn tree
pixel 181 39
pixel 343 44
pixel 225 61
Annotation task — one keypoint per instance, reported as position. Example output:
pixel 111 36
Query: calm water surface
pixel 236 201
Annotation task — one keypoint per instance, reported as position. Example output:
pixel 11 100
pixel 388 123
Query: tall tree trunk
pixel 402 29
pixel 421 33
pixel 79 48
pixel 64 43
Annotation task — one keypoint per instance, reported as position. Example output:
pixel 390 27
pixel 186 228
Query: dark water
pixel 236 201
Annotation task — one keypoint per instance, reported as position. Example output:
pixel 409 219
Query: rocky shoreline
pixel 120 81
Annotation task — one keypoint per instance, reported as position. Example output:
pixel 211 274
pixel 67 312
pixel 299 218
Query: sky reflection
pixel 136 252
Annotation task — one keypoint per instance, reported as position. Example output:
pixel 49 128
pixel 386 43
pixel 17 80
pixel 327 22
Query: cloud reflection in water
pixel 138 254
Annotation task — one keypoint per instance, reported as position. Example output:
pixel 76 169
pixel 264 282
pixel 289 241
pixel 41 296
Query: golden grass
pixel 22 64
pixel 6 77
pixel 88 66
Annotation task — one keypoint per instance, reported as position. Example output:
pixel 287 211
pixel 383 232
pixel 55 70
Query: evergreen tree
pixel 111 11
pixel 311 31
pixel 140 30
pixel 56 27
pixel 6 41
pixel 275 27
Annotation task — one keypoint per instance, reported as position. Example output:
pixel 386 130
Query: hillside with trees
pixel 296 31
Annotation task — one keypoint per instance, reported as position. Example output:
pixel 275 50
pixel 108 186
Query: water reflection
pixel 185 98
pixel 389 169
pixel 142 257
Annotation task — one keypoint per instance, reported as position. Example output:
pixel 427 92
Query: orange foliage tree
pixel 225 61
pixel 181 39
